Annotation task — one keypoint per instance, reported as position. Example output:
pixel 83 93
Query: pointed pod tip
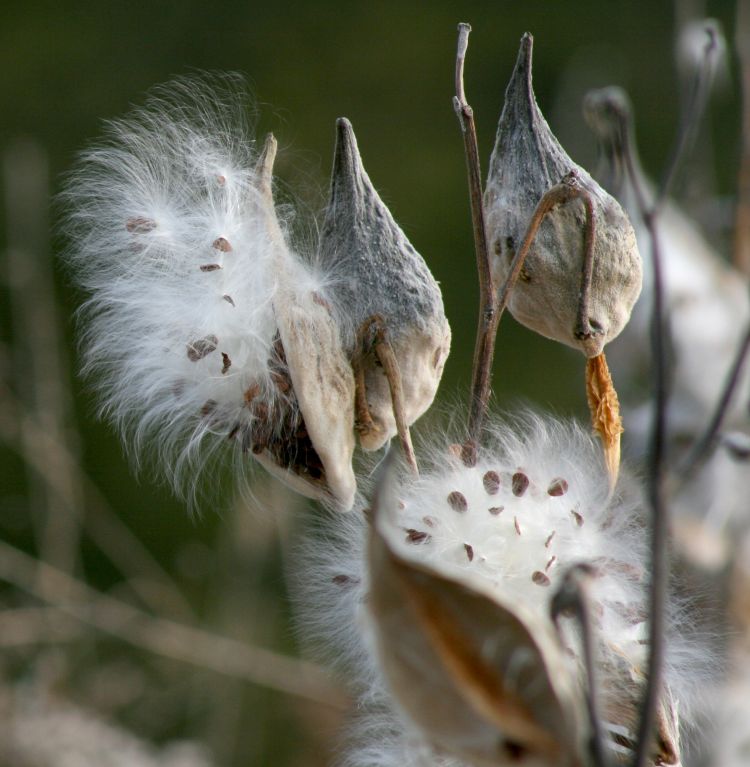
pixel 266 159
pixel 347 163
pixel 525 52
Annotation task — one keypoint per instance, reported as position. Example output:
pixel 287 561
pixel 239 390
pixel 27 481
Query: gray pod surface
pixel 376 272
pixel 526 162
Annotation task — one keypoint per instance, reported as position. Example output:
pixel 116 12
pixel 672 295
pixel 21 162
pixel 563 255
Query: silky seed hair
pixel 168 235
pixel 536 502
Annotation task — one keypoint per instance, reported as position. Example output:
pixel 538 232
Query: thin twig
pixel 384 353
pixel 559 194
pixel 164 637
pixel 574 594
pixel 741 254
pixel 484 348
pixel 703 446
pixel 656 467
pixel 690 120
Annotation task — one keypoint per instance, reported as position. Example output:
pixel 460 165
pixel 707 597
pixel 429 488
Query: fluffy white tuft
pixel 536 502
pixel 169 237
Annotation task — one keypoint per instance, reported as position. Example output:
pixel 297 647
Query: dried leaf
pixel 605 412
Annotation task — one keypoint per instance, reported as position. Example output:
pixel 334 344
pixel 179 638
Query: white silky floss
pixel 535 504
pixel 192 281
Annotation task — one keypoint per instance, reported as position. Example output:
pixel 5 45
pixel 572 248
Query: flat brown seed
pixel 344 580
pixel 496 510
pixel 228 299
pixel 209 267
pixel 519 484
pixel 469 551
pixel 221 180
pixel 457 501
pixel 251 393
pixel 226 363
pixel 208 407
pixel 417 536
pixel 551 562
pixel 516 525
pixel 491 482
pixel 540 578
pixel 201 348
pixel 222 244
pixel 578 517
pixel 140 224
pixel 558 486
pixel 429 521
pixel 549 539
pixel 281 381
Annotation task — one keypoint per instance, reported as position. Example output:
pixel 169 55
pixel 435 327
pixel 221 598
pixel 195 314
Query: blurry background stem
pixel 742 209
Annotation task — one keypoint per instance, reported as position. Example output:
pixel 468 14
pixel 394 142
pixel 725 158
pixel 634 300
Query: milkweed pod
pixel 482 679
pixel 314 453
pixel 526 162
pixel 377 272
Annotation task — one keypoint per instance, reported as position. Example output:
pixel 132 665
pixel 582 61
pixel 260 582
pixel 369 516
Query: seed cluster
pixel 521 529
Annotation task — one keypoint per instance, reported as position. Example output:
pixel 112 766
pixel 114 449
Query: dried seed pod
pixel 321 384
pixel 377 273
pixel 476 675
pixel 556 294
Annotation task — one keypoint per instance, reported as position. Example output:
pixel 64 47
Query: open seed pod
pixel 378 274
pixel 482 679
pixel 312 449
pixel 527 162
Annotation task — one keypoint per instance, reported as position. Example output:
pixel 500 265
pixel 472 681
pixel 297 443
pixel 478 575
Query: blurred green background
pixel 65 487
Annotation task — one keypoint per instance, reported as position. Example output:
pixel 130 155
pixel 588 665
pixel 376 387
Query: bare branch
pixel 484 348
pixel 573 594
pixel 656 469
pixel 741 254
pixel 691 118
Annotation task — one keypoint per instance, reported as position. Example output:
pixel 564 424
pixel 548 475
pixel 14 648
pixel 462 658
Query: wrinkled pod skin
pixel 314 457
pixel 526 162
pixel 377 272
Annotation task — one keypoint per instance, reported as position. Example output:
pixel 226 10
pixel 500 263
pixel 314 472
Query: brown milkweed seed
pixel 558 486
pixel 577 517
pixel 540 578
pixel 496 510
pixel 140 225
pixel 520 483
pixel 222 244
pixel 457 501
pixel 226 363
pixel 228 299
pixel 491 482
pixel 417 536
pixel 201 348
pixel 516 525
pixel 469 551
pixel 549 539
pixel 209 267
